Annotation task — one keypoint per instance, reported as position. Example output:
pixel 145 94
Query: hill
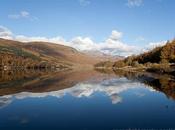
pixel 41 54
pixel 159 59
pixel 104 57
pixel 164 54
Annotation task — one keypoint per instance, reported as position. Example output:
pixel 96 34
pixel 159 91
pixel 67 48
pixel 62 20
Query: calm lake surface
pixel 86 100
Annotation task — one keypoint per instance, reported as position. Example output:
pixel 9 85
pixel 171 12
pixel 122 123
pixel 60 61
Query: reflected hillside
pixel 78 84
pixel 20 85
pixel 163 83
pixel 110 87
pixel 12 82
pixel 8 76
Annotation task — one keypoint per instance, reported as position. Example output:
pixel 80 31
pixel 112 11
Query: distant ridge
pixel 51 53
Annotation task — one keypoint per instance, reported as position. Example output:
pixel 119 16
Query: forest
pixel 160 60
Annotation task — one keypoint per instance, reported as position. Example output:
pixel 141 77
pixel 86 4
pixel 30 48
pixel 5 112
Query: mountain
pixel 102 56
pixel 44 54
pixel 158 60
pixel 163 54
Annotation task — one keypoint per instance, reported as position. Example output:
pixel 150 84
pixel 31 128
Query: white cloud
pixel 113 45
pixel 5 33
pixel 116 35
pixel 134 3
pixel 23 38
pixel 157 44
pixel 153 45
pixel 25 14
pixel 83 43
pixel 140 39
pixel 22 14
pixel 84 2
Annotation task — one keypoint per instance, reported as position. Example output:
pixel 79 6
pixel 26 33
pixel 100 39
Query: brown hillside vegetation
pixel 13 82
pixel 162 54
pixel 44 53
pixel 158 54
pixel 159 60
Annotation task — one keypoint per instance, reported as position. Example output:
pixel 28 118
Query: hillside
pixel 159 60
pixel 44 53
pixel 104 57
pixel 164 54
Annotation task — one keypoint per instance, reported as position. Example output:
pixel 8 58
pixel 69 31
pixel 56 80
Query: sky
pixel 117 27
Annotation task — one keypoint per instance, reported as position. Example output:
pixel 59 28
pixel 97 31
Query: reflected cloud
pixel 19 119
pixel 140 94
pixel 5 101
pixel 110 87
pixel 115 98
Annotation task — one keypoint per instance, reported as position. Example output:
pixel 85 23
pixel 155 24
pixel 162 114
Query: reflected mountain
pixel 42 81
pixel 75 83
pixel 36 84
pixel 110 87
pixel 162 83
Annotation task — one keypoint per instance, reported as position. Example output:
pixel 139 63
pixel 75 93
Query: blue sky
pixel 139 21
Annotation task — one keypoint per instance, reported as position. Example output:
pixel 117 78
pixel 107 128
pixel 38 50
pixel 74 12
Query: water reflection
pixel 163 83
pixel 20 85
pixel 89 98
pixel 110 87
pixel 36 84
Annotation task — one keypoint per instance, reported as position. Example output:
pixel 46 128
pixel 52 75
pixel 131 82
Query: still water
pixel 86 100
